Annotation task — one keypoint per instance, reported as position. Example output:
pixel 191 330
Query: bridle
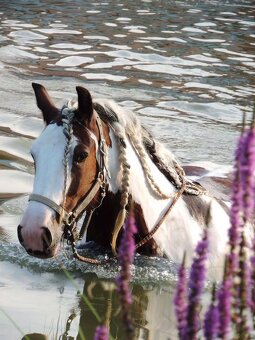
pixel 69 219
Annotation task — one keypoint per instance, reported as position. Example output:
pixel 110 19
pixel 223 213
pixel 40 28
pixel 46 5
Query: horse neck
pixel 139 187
pixel 147 205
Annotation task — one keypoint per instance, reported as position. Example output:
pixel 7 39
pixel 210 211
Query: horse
pixel 95 159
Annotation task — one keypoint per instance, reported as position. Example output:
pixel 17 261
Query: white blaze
pixel 48 152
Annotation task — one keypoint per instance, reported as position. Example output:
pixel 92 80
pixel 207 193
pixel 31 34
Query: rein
pixel 149 236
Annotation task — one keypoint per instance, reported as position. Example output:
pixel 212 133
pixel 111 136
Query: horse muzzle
pixel 38 243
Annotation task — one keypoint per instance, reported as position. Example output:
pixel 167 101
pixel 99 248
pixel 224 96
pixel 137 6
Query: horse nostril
pixel 46 238
pixel 21 240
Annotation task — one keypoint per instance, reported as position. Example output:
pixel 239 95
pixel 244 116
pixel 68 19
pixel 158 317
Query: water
pixel 185 67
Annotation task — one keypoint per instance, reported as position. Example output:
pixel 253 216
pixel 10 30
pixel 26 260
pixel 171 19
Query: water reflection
pixel 151 312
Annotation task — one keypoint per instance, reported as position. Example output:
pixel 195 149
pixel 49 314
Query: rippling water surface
pixel 185 67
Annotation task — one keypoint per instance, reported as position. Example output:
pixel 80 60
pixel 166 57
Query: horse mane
pixel 114 115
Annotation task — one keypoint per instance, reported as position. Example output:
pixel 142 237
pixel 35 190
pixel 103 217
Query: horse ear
pixel 45 103
pixel 85 105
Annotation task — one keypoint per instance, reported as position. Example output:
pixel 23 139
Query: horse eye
pixel 81 157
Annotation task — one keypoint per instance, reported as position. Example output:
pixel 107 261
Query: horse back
pixel 217 180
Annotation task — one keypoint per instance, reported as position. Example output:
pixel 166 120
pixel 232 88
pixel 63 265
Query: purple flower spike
pixel 101 333
pixel 243 192
pixel 252 282
pixel 236 218
pixel 126 258
pixel 196 286
pixel 211 321
pixel 224 305
pixel 180 300
pixel 243 300
pixel 247 170
pixel 234 295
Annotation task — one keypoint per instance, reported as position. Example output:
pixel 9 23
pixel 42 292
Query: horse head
pixel 69 171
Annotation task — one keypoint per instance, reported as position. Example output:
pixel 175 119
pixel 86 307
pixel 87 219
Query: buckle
pixel 102 146
pixel 70 219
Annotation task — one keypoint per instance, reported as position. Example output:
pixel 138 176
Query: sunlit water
pixel 186 68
